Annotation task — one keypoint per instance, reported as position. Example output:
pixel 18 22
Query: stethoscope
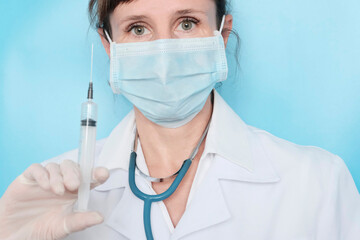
pixel 149 199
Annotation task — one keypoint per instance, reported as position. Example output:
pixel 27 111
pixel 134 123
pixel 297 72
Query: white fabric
pixel 256 187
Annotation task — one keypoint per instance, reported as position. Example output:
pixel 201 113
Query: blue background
pixel 299 77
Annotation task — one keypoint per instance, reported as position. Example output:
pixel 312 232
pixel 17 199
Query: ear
pixel 104 41
pixel 227 28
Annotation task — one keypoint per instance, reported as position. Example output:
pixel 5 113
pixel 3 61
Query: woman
pixel 243 183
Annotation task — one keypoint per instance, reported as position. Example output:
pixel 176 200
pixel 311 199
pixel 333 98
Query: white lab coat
pixel 249 185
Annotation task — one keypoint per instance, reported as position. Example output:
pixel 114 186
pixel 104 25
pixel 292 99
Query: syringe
pixel 87 144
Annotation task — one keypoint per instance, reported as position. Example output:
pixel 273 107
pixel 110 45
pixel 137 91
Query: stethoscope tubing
pixel 149 199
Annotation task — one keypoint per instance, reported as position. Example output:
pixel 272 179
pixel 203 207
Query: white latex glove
pixel 38 205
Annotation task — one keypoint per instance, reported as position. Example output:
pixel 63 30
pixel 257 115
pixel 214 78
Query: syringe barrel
pixel 86 151
pixel 88 112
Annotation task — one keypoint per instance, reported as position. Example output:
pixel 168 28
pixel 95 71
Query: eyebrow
pixel 177 13
pixel 188 11
pixel 135 18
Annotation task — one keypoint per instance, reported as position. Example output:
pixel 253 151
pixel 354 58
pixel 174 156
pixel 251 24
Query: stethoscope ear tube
pixel 149 199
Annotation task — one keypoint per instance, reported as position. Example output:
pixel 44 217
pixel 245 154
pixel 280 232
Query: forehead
pixel 163 8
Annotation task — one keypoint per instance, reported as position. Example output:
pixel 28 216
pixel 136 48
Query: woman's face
pixel 148 20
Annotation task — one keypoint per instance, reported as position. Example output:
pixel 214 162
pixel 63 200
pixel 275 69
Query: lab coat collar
pixel 209 201
pixel 125 216
pixel 207 208
pixel 228 137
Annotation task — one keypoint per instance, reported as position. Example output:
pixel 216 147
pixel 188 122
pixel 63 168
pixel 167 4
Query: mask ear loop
pixel 222 24
pixel 107 36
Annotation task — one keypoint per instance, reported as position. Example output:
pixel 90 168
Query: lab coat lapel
pixel 207 208
pixel 262 171
pixel 126 215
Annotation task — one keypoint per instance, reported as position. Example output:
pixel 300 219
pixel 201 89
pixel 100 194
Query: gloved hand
pixel 38 205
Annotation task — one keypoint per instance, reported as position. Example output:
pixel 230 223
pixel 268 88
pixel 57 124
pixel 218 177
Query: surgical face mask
pixel 168 80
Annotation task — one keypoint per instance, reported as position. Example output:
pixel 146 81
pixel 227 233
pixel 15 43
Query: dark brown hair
pixel 100 10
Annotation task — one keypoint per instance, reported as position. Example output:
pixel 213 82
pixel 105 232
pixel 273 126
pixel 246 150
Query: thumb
pixel 81 220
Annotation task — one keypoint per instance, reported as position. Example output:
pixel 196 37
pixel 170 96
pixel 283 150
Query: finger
pixel 81 220
pixel 100 175
pixel 56 179
pixel 71 174
pixel 38 174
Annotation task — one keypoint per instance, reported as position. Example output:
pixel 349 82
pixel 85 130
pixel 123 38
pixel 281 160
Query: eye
pixel 139 30
pixel 187 25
